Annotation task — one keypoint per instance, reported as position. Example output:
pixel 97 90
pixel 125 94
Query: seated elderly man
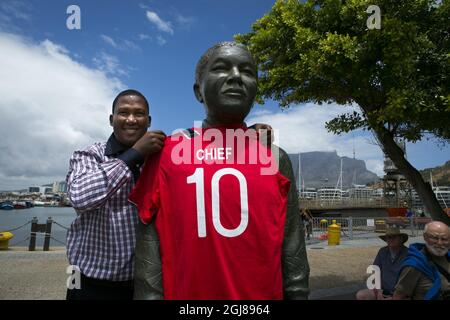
pixel 425 273
pixel 389 259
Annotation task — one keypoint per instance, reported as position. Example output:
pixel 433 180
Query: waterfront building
pixel 308 193
pixel 442 195
pixel 34 190
pixel 59 187
pixel 328 194
pixel 361 192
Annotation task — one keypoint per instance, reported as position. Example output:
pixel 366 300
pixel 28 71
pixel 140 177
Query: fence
pixel 38 230
pixel 353 228
pixel 351 203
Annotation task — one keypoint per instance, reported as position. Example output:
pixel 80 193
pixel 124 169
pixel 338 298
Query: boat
pixel 51 204
pixel 6 205
pixel 20 205
pixel 38 203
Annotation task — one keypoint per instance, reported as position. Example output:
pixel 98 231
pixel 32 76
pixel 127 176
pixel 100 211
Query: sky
pixel 57 84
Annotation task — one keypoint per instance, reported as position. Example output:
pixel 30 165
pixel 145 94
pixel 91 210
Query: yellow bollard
pixel 334 234
pixel 380 226
pixel 4 239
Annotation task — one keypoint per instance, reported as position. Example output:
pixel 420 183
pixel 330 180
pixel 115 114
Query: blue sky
pixel 57 84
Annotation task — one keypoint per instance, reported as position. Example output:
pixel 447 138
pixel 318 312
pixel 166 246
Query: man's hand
pixel 379 295
pixel 151 142
pixel 265 132
pixel 399 296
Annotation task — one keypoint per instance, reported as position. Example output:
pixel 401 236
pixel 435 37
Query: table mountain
pixel 321 170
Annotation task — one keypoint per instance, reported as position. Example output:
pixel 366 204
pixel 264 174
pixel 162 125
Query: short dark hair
pixel 201 64
pixel 129 92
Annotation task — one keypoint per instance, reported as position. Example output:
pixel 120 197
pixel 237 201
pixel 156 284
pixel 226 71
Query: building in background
pixel 361 192
pixel 34 189
pixel 442 195
pixel 59 187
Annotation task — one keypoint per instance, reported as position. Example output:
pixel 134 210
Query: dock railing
pixel 353 228
pixel 36 231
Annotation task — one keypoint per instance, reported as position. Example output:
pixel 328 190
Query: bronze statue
pixel 236 253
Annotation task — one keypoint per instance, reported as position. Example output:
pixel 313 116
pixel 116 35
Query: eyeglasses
pixel 435 238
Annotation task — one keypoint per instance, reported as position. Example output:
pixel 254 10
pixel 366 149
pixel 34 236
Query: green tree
pixel 399 75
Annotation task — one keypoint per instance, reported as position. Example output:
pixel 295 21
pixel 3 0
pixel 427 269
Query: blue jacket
pixel 417 259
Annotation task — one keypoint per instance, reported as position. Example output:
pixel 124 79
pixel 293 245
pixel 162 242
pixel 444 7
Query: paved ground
pixel 337 272
pixel 33 275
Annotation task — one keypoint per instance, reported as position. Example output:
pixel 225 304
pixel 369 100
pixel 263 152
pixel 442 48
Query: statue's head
pixel 226 81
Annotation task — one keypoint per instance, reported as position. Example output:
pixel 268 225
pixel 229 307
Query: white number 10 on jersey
pixel 198 179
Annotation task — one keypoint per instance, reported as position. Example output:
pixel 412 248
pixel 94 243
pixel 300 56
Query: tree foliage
pixel 322 51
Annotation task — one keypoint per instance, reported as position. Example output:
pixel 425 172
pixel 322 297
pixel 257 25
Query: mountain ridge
pixel 321 169
pixel 441 174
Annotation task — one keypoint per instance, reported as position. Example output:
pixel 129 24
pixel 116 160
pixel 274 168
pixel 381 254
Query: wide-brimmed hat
pixel 394 231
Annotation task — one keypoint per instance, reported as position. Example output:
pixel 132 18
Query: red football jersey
pixel 220 221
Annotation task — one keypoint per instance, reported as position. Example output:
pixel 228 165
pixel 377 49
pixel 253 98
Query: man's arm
pixel 147 270
pixel 406 284
pixel 294 259
pixel 377 260
pixel 92 182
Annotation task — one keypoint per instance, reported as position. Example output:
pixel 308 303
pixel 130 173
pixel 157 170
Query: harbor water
pixel 62 216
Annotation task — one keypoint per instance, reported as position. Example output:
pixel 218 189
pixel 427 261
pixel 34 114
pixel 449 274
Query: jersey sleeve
pixel 284 185
pixel 146 194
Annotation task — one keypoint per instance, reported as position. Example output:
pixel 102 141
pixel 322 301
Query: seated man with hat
pixel 389 259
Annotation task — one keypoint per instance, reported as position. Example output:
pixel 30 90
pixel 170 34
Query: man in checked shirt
pixel 101 240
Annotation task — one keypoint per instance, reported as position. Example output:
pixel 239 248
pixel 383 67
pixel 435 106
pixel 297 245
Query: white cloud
pixel 302 129
pixel 130 45
pixel 143 36
pixel 122 45
pixel 11 10
pixel 109 64
pixel 184 22
pixel 50 106
pixel 17 9
pixel 161 41
pixel 109 40
pixel 165 26
pixel 144 6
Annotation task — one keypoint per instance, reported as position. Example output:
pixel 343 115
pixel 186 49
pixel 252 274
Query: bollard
pixel 41 228
pixel 334 234
pixel 32 245
pixel 380 226
pixel 48 233
pixel 4 240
